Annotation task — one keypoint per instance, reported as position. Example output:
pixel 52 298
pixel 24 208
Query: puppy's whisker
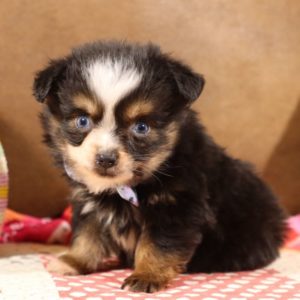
pixel 163 173
pixel 150 172
pixel 167 166
pixel 157 178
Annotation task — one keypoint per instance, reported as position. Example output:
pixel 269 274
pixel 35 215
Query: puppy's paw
pixel 60 267
pixel 147 283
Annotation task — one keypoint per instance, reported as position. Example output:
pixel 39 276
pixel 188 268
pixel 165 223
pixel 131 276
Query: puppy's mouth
pixel 111 172
pixel 98 179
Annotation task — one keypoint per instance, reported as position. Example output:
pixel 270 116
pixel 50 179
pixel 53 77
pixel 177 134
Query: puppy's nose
pixel 107 159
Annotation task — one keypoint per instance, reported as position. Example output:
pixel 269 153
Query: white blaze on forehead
pixel 111 81
pixel 106 138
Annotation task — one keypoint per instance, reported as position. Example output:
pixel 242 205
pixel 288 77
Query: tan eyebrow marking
pixel 137 108
pixel 88 104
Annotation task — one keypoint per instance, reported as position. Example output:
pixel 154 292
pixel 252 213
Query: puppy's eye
pixel 83 122
pixel 141 128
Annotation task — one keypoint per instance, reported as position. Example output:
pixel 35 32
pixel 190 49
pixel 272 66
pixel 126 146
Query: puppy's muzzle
pixel 107 159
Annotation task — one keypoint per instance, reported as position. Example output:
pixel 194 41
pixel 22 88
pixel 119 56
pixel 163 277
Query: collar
pixel 128 194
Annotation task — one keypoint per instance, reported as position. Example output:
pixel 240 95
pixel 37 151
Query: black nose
pixel 107 159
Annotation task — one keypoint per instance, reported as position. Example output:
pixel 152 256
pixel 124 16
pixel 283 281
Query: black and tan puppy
pixel 117 119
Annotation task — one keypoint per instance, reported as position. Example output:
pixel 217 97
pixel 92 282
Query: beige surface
pixel 247 50
pixel 29 248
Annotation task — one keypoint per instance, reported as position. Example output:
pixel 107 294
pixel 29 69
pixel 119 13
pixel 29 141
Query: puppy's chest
pixel 121 221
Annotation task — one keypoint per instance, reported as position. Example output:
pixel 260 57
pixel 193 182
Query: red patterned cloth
pixel 260 284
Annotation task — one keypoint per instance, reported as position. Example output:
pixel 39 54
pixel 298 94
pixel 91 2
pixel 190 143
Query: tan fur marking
pixel 150 259
pixel 165 198
pixel 153 268
pixel 77 194
pixel 54 129
pixel 58 266
pixel 86 254
pixel 138 108
pixel 89 105
pixel 127 242
pixel 162 154
pixel 54 124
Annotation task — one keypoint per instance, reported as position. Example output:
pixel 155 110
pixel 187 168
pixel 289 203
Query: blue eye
pixel 141 128
pixel 83 122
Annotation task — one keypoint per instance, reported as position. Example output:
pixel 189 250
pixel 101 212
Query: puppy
pixel 151 190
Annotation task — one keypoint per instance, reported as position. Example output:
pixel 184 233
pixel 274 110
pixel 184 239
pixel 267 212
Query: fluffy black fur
pixel 210 209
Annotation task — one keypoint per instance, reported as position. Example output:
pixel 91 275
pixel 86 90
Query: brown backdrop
pixel 247 50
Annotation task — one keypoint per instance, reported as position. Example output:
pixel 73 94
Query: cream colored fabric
pixel 24 277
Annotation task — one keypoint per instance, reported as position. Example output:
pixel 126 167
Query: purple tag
pixel 127 193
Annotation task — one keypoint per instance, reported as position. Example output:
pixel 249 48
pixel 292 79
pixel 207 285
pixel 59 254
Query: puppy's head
pixel 112 111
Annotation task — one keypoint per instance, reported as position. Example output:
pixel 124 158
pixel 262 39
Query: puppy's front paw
pixel 147 283
pixel 60 267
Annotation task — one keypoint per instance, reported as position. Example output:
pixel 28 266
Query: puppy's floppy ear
pixel 189 83
pixel 45 82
